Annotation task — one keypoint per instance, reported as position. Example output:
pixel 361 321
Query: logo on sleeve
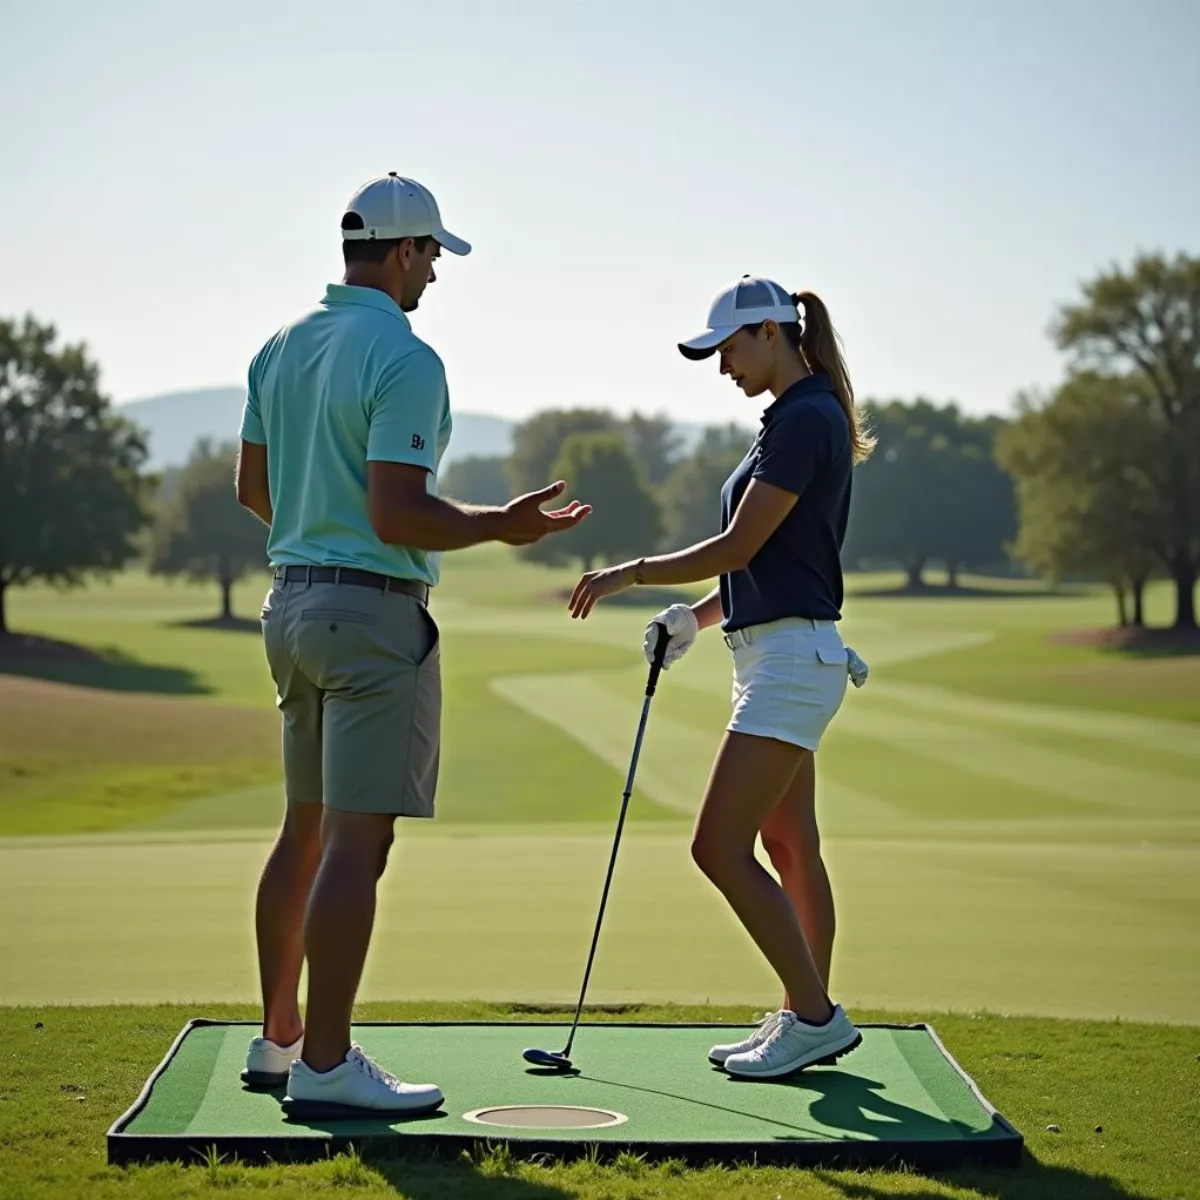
pixel 418 442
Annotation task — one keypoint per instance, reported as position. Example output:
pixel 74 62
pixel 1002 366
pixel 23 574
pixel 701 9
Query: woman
pixel 783 517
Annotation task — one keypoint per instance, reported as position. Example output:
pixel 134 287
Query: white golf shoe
pixel 355 1088
pixel 791 1045
pixel 719 1054
pixel 267 1064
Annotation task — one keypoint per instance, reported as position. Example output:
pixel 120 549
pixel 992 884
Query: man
pixel 346 420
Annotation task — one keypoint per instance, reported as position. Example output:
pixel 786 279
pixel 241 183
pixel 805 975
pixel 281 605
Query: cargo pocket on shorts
pixel 833 668
pixel 831 655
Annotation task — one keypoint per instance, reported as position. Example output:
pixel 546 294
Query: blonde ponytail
pixel 821 347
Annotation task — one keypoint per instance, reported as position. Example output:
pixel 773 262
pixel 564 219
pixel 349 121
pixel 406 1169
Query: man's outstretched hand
pixel 524 521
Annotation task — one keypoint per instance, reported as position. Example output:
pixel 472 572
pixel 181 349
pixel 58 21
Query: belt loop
pixel 337 574
pixel 308 576
pixel 383 585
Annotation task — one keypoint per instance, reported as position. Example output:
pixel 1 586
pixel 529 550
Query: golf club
pixel 561 1061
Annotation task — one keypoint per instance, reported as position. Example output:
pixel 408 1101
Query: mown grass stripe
pixel 1143 733
pixel 978 749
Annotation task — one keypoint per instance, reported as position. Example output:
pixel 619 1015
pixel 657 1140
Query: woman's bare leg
pixel 793 844
pixel 749 780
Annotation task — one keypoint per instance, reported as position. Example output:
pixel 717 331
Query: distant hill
pixel 175 421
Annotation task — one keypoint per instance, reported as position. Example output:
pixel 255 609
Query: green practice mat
pixel 898 1096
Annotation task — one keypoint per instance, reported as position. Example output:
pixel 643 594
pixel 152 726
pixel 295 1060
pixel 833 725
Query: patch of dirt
pixel 39 719
pixel 1133 640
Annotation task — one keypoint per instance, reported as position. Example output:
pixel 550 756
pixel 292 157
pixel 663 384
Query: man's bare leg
pixel 337 928
pixel 283 890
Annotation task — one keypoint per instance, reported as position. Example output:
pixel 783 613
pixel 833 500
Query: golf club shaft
pixel 655 668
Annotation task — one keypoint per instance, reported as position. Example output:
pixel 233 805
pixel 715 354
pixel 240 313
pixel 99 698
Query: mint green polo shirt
pixel 345 384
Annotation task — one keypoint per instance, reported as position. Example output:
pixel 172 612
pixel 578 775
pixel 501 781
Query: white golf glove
pixel 857 669
pixel 681 625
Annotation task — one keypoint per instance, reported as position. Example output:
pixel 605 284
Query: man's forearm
pixel 708 611
pixel 439 523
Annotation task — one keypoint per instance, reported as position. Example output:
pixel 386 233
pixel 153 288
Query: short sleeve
pixel 794 449
pixel 407 410
pixel 252 424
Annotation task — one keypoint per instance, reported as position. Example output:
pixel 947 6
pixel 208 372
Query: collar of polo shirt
pixel 368 297
pixel 817 382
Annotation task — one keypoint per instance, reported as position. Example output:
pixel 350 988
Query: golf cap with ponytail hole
pixel 394 207
pixel 747 302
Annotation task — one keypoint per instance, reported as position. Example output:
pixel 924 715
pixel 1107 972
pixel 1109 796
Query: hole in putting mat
pixel 545 1116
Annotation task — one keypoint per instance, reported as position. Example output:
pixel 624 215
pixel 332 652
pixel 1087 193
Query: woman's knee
pixel 715 856
pixel 795 850
pixel 780 852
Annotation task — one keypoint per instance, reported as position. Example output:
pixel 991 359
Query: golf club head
pixel 547 1058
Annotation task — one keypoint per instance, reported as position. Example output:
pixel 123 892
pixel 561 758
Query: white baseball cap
pixel 747 302
pixel 394 207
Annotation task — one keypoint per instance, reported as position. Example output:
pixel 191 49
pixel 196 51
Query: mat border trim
pixel 124 1148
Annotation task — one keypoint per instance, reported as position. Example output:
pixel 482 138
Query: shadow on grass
pixel 482 1175
pixel 108 669
pixel 1030 1180
pixel 930 591
pixel 222 624
pixel 1134 641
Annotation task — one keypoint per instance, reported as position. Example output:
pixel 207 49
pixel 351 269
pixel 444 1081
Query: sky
pixel 944 173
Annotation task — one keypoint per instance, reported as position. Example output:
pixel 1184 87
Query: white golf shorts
pixel 789 679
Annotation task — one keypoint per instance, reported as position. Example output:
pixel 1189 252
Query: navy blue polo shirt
pixel 803 447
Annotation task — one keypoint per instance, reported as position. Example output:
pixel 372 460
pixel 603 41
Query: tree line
pixel 1098 478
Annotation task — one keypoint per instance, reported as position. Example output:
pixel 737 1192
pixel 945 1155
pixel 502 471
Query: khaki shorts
pixel 358 680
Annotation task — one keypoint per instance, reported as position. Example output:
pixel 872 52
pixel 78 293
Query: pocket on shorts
pixel 833 655
pixel 352 615
pixel 427 645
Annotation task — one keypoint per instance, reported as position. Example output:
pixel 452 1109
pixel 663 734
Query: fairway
pixel 1002 836
pixel 1096 931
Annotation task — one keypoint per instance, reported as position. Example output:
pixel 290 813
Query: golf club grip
pixel 660 653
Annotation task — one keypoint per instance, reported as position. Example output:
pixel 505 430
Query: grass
pixel 71 1072
pixel 74 759
pixel 1013 826
pixel 992 845
pixel 1071 929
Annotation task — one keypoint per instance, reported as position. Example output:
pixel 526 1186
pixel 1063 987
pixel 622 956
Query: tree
pixel 203 532
pixel 71 495
pixel 537 445
pixel 931 492
pixel 477 479
pixel 538 441
pixel 1083 460
pixel 979 515
pixel 625 519
pixel 1143 325
pixel 654 444
pixel 691 496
